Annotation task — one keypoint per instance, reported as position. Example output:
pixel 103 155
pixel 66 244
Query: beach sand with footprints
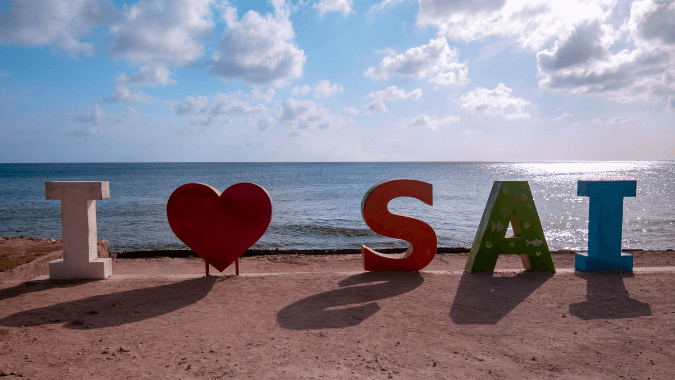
pixel 293 316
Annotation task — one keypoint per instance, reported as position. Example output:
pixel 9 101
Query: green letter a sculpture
pixel 510 201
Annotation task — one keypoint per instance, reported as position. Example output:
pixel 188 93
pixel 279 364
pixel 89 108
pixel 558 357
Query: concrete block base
pixel 97 269
pixel 587 263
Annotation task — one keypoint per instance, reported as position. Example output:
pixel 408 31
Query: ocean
pixel 317 205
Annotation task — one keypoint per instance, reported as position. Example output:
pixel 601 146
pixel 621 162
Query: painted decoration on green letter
pixel 510 201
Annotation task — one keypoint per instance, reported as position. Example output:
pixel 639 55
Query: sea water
pixel 318 205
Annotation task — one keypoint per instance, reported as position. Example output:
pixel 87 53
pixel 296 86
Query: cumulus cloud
pixel 375 106
pixel 430 122
pixel 350 111
pixel 324 89
pixel 497 102
pixel 344 6
pixel 230 104
pixel 584 44
pixel 168 32
pixel 147 76
pixel 55 22
pixel 304 115
pixel 93 115
pixel 394 93
pixel 634 63
pixel 266 96
pixel 531 23
pixel 435 62
pixel 264 123
pixel 122 94
pixel 192 105
pixel 258 49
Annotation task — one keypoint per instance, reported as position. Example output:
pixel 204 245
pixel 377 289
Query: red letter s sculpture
pixel 420 236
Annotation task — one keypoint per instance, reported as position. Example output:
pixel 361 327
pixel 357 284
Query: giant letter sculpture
pixel 78 230
pixel 420 236
pixel 219 227
pixel 605 217
pixel 510 201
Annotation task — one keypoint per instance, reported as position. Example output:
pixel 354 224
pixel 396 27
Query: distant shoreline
pixel 185 253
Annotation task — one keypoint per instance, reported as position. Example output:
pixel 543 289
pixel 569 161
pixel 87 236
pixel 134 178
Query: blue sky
pixel 336 80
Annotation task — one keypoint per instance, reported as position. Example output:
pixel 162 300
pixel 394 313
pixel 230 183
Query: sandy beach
pixel 290 316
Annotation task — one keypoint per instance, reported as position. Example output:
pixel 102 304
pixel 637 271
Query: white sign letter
pixel 78 226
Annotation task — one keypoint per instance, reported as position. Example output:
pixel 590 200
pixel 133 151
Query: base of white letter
pixel 97 269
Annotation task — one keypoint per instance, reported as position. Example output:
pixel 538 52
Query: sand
pixel 304 317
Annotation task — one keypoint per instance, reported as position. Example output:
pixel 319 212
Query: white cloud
pixel 304 90
pixel 122 94
pixel 350 111
pixel 386 51
pixel 265 123
pixel 93 115
pixel 563 116
pixel 582 48
pixel 468 132
pixel 147 76
pixel 324 89
pixel 55 22
pixel 266 97
pixel 168 32
pixel 531 23
pixel 381 5
pixel 497 102
pixel 375 106
pixel 394 93
pixel 622 120
pixel 634 63
pixel 435 62
pixel 259 49
pixel 305 115
pixel 344 6
pixel 191 106
pixel 430 122
pixel 230 104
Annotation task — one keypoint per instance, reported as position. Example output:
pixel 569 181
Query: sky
pixel 336 80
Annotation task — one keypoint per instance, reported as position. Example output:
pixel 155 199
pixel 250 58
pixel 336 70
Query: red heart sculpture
pixel 219 227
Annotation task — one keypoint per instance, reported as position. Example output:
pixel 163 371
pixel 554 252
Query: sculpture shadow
pixel 607 297
pixel 38 286
pixel 332 309
pixel 117 308
pixel 483 299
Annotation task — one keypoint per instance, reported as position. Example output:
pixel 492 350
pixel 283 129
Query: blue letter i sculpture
pixel 605 219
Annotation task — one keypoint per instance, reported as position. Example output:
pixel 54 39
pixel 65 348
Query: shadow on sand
pixel 607 297
pixel 332 309
pixel 483 299
pixel 109 309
